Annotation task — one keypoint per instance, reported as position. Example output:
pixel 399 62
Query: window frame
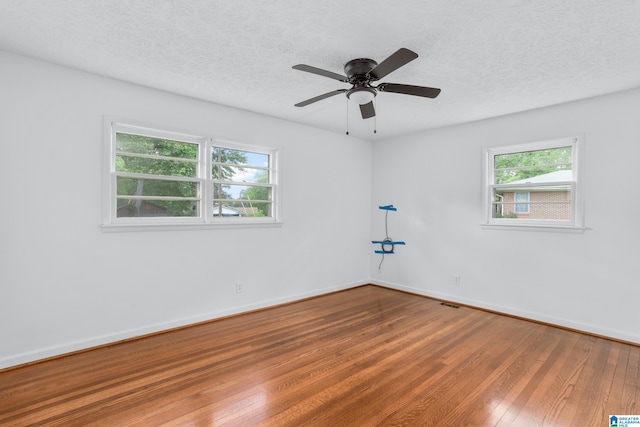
pixel 204 178
pixel 576 186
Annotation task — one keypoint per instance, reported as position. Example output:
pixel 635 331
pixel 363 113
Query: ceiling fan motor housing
pixel 357 70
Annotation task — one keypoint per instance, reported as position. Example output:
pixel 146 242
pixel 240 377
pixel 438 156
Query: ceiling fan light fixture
pixel 361 95
pixel 360 73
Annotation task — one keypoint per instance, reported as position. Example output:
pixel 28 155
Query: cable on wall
pixel 387 241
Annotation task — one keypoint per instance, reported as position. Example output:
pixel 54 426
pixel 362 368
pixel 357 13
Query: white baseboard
pixel 70 347
pixel 582 327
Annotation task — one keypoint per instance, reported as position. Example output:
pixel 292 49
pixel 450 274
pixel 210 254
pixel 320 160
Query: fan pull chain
pixel 347 116
pixel 375 118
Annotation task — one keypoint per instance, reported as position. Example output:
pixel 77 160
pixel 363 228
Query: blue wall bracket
pixel 388 208
pixel 387 245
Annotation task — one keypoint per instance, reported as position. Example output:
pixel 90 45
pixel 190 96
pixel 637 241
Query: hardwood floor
pixel 363 357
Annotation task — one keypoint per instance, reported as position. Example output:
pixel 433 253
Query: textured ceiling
pixel 489 58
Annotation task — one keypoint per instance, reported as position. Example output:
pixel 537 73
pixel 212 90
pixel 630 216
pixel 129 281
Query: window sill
pixel 120 228
pixel 536 227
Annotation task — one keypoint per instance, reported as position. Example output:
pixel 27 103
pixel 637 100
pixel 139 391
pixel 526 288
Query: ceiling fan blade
pixel 427 92
pixel 320 97
pixel 367 110
pixel 320 72
pixel 399 58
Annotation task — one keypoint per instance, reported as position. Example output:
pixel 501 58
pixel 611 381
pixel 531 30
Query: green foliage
pixel 154 156
pixel 223 161
pixel 175 158
pixel 517 166
pixel 258 193
pixel 509 214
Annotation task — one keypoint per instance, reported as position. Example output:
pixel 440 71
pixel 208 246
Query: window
pixel 165 178
pixel 524 199
pixel 534 185
pixel 241 183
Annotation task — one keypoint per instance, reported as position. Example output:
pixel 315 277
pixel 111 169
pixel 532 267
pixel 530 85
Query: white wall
pixel 585 281
pixel 66 285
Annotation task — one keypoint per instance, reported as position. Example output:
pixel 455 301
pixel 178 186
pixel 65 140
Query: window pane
pixel 240 174
pixel 156 187
pixel 138 144
pixel 241 192
pixel 157 208
pixel 244 209
pixel 542 203
pixel 155 166
pixel 238 166
pixel 514 167
pixel 242 200
pixel 238 157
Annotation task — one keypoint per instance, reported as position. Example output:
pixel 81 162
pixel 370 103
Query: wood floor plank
pixel 615 403
pixel 367 356
pixel 631 391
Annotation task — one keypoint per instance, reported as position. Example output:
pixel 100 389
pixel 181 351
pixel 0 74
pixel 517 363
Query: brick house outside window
pixel 538 203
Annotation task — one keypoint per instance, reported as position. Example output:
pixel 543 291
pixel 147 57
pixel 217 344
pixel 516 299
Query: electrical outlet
pixel 456 280
pixel 239 287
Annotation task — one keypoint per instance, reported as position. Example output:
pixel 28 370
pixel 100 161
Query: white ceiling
pixel 489 58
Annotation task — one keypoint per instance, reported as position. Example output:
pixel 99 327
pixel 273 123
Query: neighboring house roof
pixel 563 175
pixel 226 211
pixel 248 210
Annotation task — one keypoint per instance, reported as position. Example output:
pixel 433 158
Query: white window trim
pixel 110 221
pixel 575 225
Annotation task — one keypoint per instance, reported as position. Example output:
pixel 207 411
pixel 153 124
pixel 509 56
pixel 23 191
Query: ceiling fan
pixel 361 73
